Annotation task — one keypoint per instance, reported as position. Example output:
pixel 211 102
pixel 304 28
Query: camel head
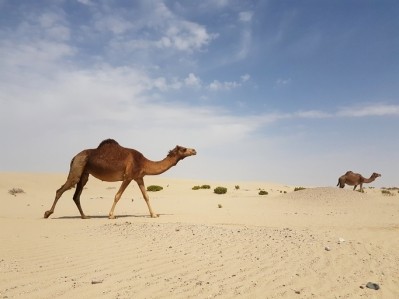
pixel 375 175
pixel 181 152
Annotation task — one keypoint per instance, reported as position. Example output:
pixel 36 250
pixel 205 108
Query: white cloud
pixel 117 25
pixel 245 78
pixel 187 36
pixel 227 85
pixel 245 16
pixel 370 110
pixel 86 2
pixel 282 82
pixel 312 114
pixel 157 27
pixel 192 80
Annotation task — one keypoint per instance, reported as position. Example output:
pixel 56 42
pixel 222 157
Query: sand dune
pixel 315 243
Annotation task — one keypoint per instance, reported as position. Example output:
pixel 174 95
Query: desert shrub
pixel 15 191
pixel 263 192
pixel 154 188
pixel 299 188
pixel 201 187
pixel 220 190
pixel 237 187
pixel 386 192
pixel 220 206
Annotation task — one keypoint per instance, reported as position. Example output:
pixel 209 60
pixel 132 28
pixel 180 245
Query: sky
pixel 292 92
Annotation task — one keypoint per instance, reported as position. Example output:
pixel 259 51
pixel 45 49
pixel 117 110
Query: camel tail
pixel 77 167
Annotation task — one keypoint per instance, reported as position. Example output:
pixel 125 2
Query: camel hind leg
pixel 78 164
pixel 79 188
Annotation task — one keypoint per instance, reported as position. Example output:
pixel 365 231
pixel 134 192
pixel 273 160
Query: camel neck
pixel 158 167
pixel 370 179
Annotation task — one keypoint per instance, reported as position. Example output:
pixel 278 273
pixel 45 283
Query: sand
pixel 321 242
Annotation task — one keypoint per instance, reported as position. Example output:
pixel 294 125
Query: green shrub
pixel 237 187
pixel 15 191
pixel 220 190
pixel 201 187
pixel 299 188
pixel 154 188
pixel 263 192
pixel 386 192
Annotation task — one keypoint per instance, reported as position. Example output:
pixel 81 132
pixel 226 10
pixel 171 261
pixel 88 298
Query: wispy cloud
pixel 245 16
pixel 283 82
pixel 379 109
pixel 168 31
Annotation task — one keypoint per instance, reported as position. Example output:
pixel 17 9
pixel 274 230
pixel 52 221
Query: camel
pixel 111 162
pixel 355 179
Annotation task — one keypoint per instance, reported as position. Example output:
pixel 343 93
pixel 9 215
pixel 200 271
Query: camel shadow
pixel 106 216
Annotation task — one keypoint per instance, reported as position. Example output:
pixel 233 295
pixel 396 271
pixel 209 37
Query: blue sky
pixel 295 92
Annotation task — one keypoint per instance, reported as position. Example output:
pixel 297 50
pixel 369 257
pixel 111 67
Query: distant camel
pixel 111 162
pixel 355 179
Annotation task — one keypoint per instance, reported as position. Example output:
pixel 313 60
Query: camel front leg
pixel 140 182
pixel 117 197
pixel 68 185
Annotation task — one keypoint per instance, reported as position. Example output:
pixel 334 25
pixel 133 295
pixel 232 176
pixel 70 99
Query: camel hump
pixel 107 141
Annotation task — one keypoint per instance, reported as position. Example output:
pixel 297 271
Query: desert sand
pixel 321 242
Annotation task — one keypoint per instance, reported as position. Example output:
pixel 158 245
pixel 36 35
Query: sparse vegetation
pixel 15 191
pixel 299 188
pixel 237 187
pixel 154 188
pixel 220 190
pixel 387 192
pixel 263 192
pixel 201 187
pixel 220 206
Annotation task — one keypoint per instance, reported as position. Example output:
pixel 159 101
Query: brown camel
pixel 355 179
pixel 111 162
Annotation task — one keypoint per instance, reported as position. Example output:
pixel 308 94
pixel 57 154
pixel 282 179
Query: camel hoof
pixel 47 214
pixel 85 217
pixel 111 217
pixel 154 215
